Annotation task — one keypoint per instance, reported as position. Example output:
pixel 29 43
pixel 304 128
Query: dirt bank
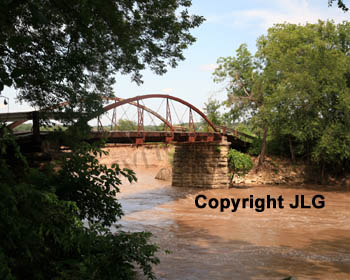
pixel 276 171
pixel 145 156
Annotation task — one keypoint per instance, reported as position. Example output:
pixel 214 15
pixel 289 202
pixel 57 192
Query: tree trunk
pixel 291 149
pixel 231 179
pixel 323 177
pixel 263 148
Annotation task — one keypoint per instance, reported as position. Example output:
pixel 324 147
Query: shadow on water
pixel 151 199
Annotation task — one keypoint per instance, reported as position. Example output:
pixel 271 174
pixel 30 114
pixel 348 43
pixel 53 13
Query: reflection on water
pixel 208 244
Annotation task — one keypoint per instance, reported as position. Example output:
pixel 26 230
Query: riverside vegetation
pixel 293 94
pixel 42 212
pixel 56 52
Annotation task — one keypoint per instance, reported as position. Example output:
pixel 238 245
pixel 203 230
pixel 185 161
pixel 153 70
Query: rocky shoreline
pixel 279 171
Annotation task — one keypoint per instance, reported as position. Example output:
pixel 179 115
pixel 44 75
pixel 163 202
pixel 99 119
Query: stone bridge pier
pixel 202 165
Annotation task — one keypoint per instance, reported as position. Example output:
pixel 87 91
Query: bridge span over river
pixel 200 147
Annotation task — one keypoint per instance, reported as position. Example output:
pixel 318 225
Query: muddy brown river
pixel 209 244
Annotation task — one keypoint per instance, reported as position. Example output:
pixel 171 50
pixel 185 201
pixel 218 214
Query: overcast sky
pixel 228 24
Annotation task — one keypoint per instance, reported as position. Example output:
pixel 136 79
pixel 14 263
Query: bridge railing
pixel 231 131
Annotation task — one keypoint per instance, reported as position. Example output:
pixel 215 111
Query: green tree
pixel 211 110
pixel 310 105
pixel 69 51
pixel 298 84
pixel 126 125
pixel 246 89
pixel 41 213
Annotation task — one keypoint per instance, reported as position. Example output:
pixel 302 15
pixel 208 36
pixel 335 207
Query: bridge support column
pixel 202 165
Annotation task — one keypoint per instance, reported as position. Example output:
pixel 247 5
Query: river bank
pixel 274 171
pixel 280 171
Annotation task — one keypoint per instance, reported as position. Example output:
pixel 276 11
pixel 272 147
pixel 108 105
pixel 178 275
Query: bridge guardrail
pixel 235 132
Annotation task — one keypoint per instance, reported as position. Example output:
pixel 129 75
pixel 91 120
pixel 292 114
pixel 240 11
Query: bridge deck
pixel 26 140
pixel 156 136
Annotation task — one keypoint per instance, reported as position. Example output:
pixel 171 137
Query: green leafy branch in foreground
pixel 41 220
pixel 91 185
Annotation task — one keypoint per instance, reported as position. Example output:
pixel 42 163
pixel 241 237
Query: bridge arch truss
pixel 186 133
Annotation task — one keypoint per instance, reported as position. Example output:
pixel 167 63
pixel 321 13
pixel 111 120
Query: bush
pixel 239 163
pixel 41 212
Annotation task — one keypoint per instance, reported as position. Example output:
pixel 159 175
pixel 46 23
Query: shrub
pixel 41 219
pixel 239 163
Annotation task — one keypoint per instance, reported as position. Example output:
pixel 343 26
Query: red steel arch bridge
pixel 193 125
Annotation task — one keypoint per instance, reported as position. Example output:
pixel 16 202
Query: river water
pixel 209 244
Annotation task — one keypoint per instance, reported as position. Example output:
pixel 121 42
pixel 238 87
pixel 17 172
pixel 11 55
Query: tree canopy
pixel 126 125
pixel 211 110
pixel 69 51
pixel 298 85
